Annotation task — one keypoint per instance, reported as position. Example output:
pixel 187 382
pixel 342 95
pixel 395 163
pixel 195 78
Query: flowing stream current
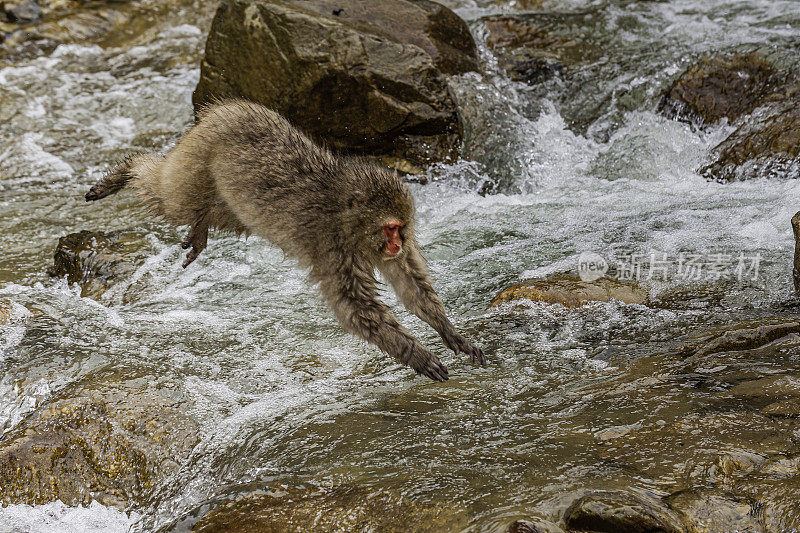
pixel 282 395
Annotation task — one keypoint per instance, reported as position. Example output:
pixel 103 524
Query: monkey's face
pixel 393 235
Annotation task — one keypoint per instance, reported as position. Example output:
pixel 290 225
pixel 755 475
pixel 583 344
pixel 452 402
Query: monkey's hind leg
pixel 197 239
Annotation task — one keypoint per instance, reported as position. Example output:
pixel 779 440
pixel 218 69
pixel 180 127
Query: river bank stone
pixel 614 512
pixel 95 259
pixel 571 291
pixel 364 77
pixel 110 442
pixel 345 508
pixel 111 23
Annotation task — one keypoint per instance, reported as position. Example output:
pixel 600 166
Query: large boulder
pixel 367 77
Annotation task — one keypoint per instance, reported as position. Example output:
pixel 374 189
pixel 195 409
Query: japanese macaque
pixel 244 168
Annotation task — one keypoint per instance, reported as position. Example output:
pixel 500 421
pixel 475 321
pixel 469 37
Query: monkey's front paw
pixel 435 370
pixel 427 364
pixel 459 344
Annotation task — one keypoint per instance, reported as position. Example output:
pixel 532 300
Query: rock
pixel 796 270
pixel 529 53
pixel 712 513
pixel 744 337
pixel 533 525
pixel 370 79
pixel 717 87
pixel 110 443
pixel 766 145
pixel 22 12
pixel 615 512
pixel 571 291
pixel 344 508
pixel 115 23
pixel 787 408
pixel 94 260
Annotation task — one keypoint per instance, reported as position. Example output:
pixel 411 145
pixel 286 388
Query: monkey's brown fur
pixel 244 168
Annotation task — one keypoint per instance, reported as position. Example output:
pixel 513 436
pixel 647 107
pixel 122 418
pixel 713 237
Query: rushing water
pixel 283 395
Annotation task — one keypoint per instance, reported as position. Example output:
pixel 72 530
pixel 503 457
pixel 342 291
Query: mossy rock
pixel 110 442
pixel 571 291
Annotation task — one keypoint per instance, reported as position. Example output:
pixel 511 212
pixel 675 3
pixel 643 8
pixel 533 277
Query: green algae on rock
pixel 571 291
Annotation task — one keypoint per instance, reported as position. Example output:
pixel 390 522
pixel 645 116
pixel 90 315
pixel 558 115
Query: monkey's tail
pixel 117 177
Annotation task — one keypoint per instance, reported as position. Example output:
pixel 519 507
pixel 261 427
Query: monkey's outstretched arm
pixel 354 303
pixel 409 277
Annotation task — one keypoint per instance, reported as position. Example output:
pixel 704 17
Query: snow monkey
pixel 244 168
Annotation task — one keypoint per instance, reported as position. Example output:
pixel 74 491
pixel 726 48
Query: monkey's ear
pixel 357 199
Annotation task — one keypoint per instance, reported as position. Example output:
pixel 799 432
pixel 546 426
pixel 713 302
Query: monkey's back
pixel 245 168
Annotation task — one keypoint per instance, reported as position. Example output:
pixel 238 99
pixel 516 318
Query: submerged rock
pixel 712 513
pixel 533 525
pixel 108 442
pixel 285 509
pixel 746 336
pixel 95 259
pixel 368 77
pixel 26 11
pixel 614 512
pixel 571 291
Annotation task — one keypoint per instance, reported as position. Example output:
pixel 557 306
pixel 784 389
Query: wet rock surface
pixel 96 259
pixel 533 525
pixel 725 86
pixel 106 441
pixel 571 291
pixel 616 511
pixel 766 145
pixel 107 23
pixel 743 337
pixel 748 90
pixel 529 53
pixel 711 513
pixel 340 509
pixel 367 77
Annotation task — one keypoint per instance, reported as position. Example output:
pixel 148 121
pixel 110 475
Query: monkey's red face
pixel 394 240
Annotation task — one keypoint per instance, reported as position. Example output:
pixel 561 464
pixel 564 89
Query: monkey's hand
pixel 458 344
pixel 424 362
